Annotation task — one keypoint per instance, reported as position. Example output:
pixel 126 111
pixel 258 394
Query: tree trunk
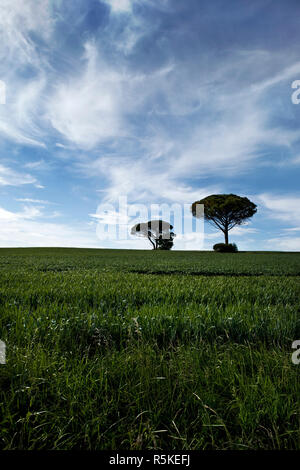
pixel 226 236
pixel 151 243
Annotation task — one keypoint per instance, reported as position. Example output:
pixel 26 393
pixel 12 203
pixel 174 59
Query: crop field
pixel 120 349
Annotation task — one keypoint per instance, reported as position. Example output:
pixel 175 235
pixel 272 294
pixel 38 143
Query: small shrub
pixel 165 243
pixel 223 248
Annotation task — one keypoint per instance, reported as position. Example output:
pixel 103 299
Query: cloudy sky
pixel 158 101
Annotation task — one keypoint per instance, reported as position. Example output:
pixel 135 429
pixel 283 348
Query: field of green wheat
pixel 120 349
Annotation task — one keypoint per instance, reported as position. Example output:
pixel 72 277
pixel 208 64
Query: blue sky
pixel 161 101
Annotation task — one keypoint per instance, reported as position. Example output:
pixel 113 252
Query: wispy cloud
pixel 120 6
pixel 285 208
pixel 284 244
pixel 9 177
pixel 19 229
pixel 86 111
pixel 38 165
pixel 34 201
pixel 20 21
pixel 29 212
pixel 158 101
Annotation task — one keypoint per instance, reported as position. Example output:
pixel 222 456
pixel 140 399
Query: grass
pixel 111 349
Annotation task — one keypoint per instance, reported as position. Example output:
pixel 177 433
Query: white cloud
pixel 229 135
pixel 17 135
pixel 190 241
pixel 243 230
pixel 7 215
pixel 120 6
pixel 29 212
pixel 17 20
pixel 293 229
pixel 24 233
pixel 284 243
pixel 34 201
pixel 25 229
pixel 21 116
pixel 9 177
pixel 40 165
pixel 142 181
pixel 287 73
pixel 110 217
pixel 86 110
pixel 295 160
pixel 285 208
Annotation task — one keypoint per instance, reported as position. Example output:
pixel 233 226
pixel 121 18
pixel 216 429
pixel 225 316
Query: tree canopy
pixel 158 232
pixel 225 211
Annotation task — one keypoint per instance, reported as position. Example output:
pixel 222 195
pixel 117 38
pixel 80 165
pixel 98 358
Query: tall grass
pixel 102 357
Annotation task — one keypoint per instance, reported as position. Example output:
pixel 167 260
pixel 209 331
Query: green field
pixel 111 349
